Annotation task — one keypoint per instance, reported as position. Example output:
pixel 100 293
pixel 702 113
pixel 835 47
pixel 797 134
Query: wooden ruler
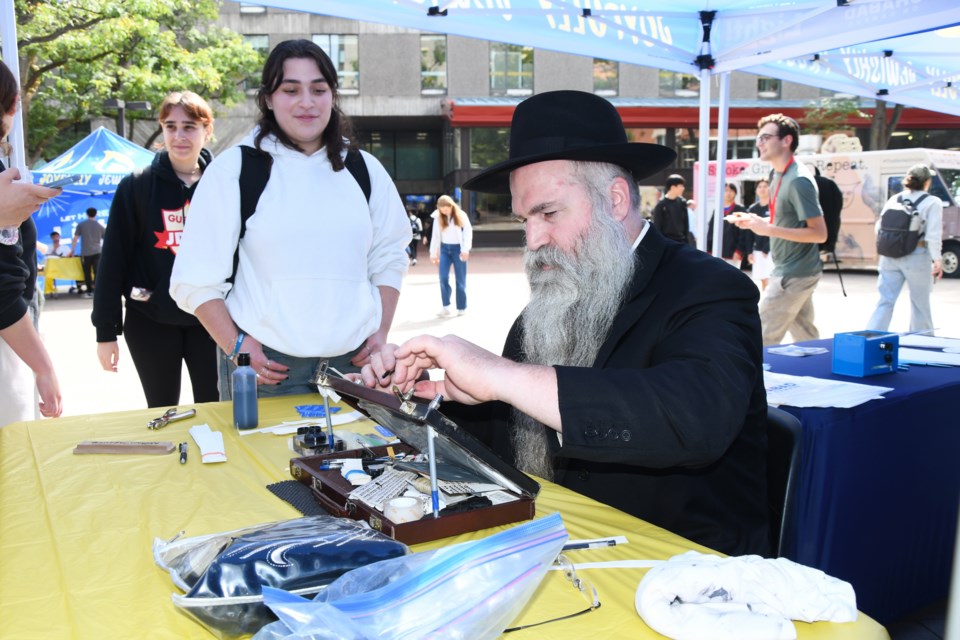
pixel 150 448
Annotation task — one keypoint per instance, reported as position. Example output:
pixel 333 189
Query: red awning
pixel 499 115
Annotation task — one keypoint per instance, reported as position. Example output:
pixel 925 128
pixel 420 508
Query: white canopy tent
pixel 729 34
pixel 778 38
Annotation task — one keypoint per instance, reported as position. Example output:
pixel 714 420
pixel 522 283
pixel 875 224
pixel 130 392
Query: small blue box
pixel 865 353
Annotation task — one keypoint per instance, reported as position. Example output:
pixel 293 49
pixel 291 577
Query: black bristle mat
pixel 298 495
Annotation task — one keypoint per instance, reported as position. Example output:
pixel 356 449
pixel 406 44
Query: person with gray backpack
pixel 909 232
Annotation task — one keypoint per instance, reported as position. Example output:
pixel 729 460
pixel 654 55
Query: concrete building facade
pixel 432 132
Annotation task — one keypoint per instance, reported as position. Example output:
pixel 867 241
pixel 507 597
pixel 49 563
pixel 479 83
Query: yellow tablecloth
pixel 76 530
pixel 60 269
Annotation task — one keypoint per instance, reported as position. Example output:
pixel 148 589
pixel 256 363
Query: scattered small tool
pixel 169 416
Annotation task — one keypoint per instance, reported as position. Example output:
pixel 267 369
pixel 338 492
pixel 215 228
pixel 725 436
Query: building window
pixel 768 88
pixel 247 8
pixel 740 148
pixel 260 44
pixel 418 155
pixel 678 85
pixel 406 155
pixel 381 145
pixel 488 146
pixel 606 77
pixel 433 65
pixel 511 70
pixel 344 51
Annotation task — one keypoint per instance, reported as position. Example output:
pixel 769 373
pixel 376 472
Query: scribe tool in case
pixel 455 448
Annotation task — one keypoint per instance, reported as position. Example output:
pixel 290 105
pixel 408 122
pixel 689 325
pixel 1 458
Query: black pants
pixel 158 351
pixel 90 265
pixel 413 248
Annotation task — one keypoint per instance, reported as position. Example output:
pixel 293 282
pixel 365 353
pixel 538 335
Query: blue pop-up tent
pixel 102 159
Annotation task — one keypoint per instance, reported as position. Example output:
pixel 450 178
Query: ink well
pixel 313 440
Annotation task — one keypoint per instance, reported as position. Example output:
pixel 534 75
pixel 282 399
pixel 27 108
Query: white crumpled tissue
pixel 696 596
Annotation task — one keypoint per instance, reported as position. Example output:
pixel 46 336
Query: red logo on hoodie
pixel 173 220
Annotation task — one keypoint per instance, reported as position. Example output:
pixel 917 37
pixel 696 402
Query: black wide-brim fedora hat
pixel 570 125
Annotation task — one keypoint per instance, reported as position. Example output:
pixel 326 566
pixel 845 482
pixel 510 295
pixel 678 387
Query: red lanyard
pixel 773 200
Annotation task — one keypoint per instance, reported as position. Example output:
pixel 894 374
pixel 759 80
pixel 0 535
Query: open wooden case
pixel 408 419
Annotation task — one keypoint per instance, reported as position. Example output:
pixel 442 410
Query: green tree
pixel 831 114
pixel 74 54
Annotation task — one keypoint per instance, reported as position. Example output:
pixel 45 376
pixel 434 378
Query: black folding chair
pixel 784 449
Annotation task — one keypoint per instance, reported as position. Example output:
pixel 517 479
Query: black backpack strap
pixel 358 169
pixel 255 168
pixel 916 209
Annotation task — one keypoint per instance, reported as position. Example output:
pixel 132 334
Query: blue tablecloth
pixel 879 487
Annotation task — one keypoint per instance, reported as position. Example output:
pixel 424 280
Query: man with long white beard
pixel 634 375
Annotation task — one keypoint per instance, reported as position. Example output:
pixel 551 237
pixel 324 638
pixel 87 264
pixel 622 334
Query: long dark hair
pixel 8 93
pixel 339 126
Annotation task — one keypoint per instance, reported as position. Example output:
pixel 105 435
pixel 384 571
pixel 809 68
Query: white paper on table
pixel 926 356
pixel 209 442
pixel 286 428
pixel 929 342
pixel 796 350
pixel 807 391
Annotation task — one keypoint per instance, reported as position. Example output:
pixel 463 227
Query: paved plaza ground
pixel 496 290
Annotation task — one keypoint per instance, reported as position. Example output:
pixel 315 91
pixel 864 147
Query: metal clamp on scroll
pixel 409 407
pixel 320 377
pixel 169 416
pixel 406 400
pixel 434 404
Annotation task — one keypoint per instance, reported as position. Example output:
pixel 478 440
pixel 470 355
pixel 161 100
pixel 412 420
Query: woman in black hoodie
pixel 147 216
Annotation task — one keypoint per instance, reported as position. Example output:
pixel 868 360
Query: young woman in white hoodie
pixel 320 267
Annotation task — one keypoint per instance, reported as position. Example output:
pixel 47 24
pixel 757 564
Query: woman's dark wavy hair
pixel 8 92
pixel 339 126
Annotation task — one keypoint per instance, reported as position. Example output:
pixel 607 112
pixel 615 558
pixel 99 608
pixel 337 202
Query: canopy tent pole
pixel 8 34
pixel 723 119
pixel 705 62
pixel 703 160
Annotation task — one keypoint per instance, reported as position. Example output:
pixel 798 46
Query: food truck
pixel 867 179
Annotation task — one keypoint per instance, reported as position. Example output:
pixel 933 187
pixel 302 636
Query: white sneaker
pixel 461 312
pixel 447 312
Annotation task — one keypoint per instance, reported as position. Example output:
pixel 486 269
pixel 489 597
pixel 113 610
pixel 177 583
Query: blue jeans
pixel 450 255
pixel 299 377
pixel 916 269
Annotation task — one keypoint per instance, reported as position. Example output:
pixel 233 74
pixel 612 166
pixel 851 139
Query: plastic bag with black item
pixel 409 597
pixel 224 573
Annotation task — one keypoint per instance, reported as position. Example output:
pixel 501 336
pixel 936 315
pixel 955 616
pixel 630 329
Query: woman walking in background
pixel 758 247
pixel 450 245
pixel 920 268
pixel 147 218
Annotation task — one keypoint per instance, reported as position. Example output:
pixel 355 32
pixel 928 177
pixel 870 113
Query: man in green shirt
pixel 795 227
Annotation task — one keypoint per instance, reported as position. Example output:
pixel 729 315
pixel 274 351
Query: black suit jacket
pixel 669 423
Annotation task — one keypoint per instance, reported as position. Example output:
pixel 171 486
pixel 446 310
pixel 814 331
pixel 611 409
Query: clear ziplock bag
pixel 411 597
pixel 223 573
